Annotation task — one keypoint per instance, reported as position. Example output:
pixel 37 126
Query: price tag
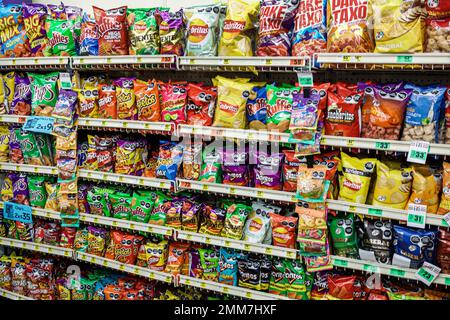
pixel 95 220
pixel 351 209
pixel 122 267
pixel 447 218
pixel 189 237
pixel 346 58
pixel 227 243
pixel 397 272
pixel 291 255
pixel 114 223
pixel 447 281
pixel 404 59
pixel 305 79
pixel 248 295
pixel 428 273
pixel 226 61
pixel 203 285
pixel 382 145
pixel 370 268
pixel 66 82
pixel 208 240
pixel 39 124
pixel 246 247
pixel 225 290
pixel 269 250
pixel 350 143
pixel 17 212
pixel 417 214
pixel 375 212
pixel 340 263
pixel 259 194
pixel 205 187
pixel 418 152
pixel 105 263
pixel 269 62
pixel 188 282
pixel 232 191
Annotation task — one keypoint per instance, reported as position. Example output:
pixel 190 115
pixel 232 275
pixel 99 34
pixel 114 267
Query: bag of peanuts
pixel 424 113
pixel 348 27
pixel 438 35
pixel 383 112
pixel 444 206
pixel 425 188
pixel 437 8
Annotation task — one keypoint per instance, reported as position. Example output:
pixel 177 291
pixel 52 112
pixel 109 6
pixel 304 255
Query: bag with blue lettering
pixel 257 108
pixel 169 160
pixel 424 112
pixel 228 267
pixel 89 37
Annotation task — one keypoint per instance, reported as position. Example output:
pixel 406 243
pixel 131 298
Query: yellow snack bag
pixel 240 21
pixel 355 180
pixel 444 207
pixel 424 188
pixel 88 102
pixel 231 102
pixel 399 26
pixel 392 186
pixel 3 100
pixel 52 196
pixel 8 81
pixel 4 144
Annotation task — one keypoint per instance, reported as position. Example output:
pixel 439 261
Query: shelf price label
pixel 404 59
pixel 382 145
pixel 39 124
pixel 66 82
pixel 375 212
pixel 305 79
pixel 417 214
pixel 418 152
pixel 428 273
pixel 340 263
pixel 17 212
pixel 397 272
pixel 447 218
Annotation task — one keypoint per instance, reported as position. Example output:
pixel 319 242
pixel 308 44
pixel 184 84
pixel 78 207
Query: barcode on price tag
pixel 417 215
pixel 428 273
pixel 66 82
pixel 17 212
pixel 39 124
pixel 418 152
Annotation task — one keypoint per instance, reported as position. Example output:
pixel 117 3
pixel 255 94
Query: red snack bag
pixel 176 258
pixel 174 98
pixel 126 246
pixel 438 8
pixel 107 101
pixel 342 117
pixel 113 292
pixel 67 237
pixel 132 295
pixel 341 287
pixel 147 101
pixel 322 91
pixel 283 230
pixel 112 31
pixel 200 105
pixel 290 170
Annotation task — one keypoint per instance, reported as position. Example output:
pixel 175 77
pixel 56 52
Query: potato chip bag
pixel 392 186
pixel 348 26
pixel 238 28
pixel 444 206
pixel 21 102
pixel 212 221
pixel 88 100
pixel 44 93
pixel 107 101
pixel 13 37
pixel 126 99
pixel 88 36
pixel 176 258
pixel 52 196
pixel 355 180
pixel 61 40
pixel 171 29
pixel 147 101
pixel 279 107
pixel 173 103
pixel 209 260
pixel 399 26
pixel 34 16
pixel 4 144
pixel 211 170
pixel 425 188
pixel 10 15
pixel 202 23
pixel 57 11
pixel 437 8
pixel 192 155
pixel 437 31
pixel 283 230
pixel 142 204
pixel 121 205
pixel 155 254
pixel 126 246
pixel 96 240
pixel 235 220
pixel 38 194
pixel 112 31
pixel 143 31
pixel 257 108
pixel 278 283
pixel 200 105
pixel 190 215
pixel 231 102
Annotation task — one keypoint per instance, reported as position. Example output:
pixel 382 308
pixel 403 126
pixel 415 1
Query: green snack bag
pixel 343 233
pixel 97 201
pixel 60 38
pixel 279 107
pixel 81 240
pixel 295 279
pixel 44 145
pixel 235 220
pixel 44 93
pixel 121 205
pixel 89 287
pixel 209 261
pixel 143 31
pixel 158 215
pixel 278 281
pixel 30 149
pixel 38 195
pixel 142 204
pixel 211 170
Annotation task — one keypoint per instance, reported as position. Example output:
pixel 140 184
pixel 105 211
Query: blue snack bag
pixel 88 36
pixel 169 160
pixel 424 112
pixel 257 108
pixel 228 267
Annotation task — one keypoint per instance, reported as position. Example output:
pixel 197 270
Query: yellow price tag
pixel 269 61
pixel 66 253
pixel 167 127
pixel 248 294
pixel 17 168
pixel 250 136
pixel 208 240
pixel 247 247
pixel 323 141
pixel 81 60
pixel 259 194
pixel 149 229
pixel 188 282
pixel 36 247
pixel 132 225
pixel 358 58
pixel 192 61
pixel 139 59
pixel 141 181
pixel 122 267
pixel 162 184
pixel 226 61
pixel 188 237
pixel 351 208
pixel 232 191
pixel 125 124
pixel 205 187
pixel 151 275
pixel 103 123
pixel 350 143
pixel 95 220
pixel 92 259
pixel 346 58
pixel 293 199
pixel 269 250
pixel 50 250
pixel 114 223
pixel 225 290
pixel 203 285
pixel 136 270
pixel 291 255
pixel 14 61
pixel 120 179
pixel 105 263
pixel 227 243
pixel 35 169
pixel 108 60
pixel 89 175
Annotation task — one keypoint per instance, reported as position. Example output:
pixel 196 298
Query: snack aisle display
pixel 244 150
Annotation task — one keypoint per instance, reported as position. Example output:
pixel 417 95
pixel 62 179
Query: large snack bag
pixel 348 26
pixel 88 37
pixel 61 41
pixel 171 30
pixel 13 37
pixel 143 31
pixel 112 31
pixel 276 18
pixel 279 107
pixel 236 39
pixel 34 16
pixel 202 24
pixel 310 28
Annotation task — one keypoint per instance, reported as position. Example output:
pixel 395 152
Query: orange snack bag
pixel 147 101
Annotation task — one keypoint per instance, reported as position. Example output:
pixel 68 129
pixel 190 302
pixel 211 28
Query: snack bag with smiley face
pixel 60 36
pixel 258 223
pixel 126 99
pixel 142 204
pixel 147 101
pixel 279 107
pixel 200 105
pixel 176 258
pixel 143 31
pixel 283 230
pixel 112 31
pixel 344 235
pixel 173 104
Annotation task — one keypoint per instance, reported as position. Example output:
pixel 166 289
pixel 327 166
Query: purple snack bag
pixel 21 194
pixel 83 205
pixel 34 16
pixel 171 31
pixel 268 171
pixel 190 215
pixel 21 104
pixel 234 167
pixel 15 149
pixel 57 11
pixel 195 266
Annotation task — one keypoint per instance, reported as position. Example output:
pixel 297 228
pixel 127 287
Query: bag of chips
pixel 143 31
pixel 190 215
pixel 211 170
pixel 437 33
pixel 44 93
pixel 399 26
pixel 444 206
pixel 257 108
pixel 425 188
pixel 169 160
pixel 176 258
pixel 147 101
pixel 278 281
pixel 376 238
pixel 107 101
pixel 88 100
pixel 310 28
pixel 258 223
pixel 192 161
pixel 173 103
pixel 60 36
pixel 344 235
pixel 355 180
pixel 34 16
pixel 276 19
pixel 238 28
pixel 212 221
pixel 13 37
pixel 200 105
pixel 209 261
pixel 21 102
pixel 38 194
pixel 279 107
pixel 171 28
pixel 112 31
pixel 283 230
pixel 443 251
pixel 202 23
pixel 267 171
pixel 126 99
pixel 348 26
pixel 228 267
pixel 235 217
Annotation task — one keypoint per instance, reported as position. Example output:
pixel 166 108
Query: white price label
pixel 418 152
pixel 66 82
pixel 447 218
pixel 417 215
pixel 428 273
pixel 305 79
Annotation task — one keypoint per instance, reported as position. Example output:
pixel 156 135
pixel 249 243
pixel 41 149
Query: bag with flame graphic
pixel 126 246
pixel 112 31
pixel 60 38
pixel 202 23
pixel 44 93
pixel 238 28
pixel 355 180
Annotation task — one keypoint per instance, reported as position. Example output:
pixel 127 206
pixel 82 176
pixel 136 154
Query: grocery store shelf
pixel 245 64
pixel 28 168
pixel 382 212
pixel 390 270
pixel 13 296
pixel 125 62
pixel 125 179
pixel 35 63
pixel 236 191
pixel 58 251
pixel 236 244
pixel 374 61
pixel 143 272
pixel 227 289
pixel 126 224
pixel 125 125
pixel 43 213
pixel 10 118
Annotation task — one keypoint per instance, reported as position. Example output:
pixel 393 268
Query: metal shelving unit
pixel 12 295
pixel 35 63
pixel 28 168
pixel 125 125
pixel 124 63
pixel 38 247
